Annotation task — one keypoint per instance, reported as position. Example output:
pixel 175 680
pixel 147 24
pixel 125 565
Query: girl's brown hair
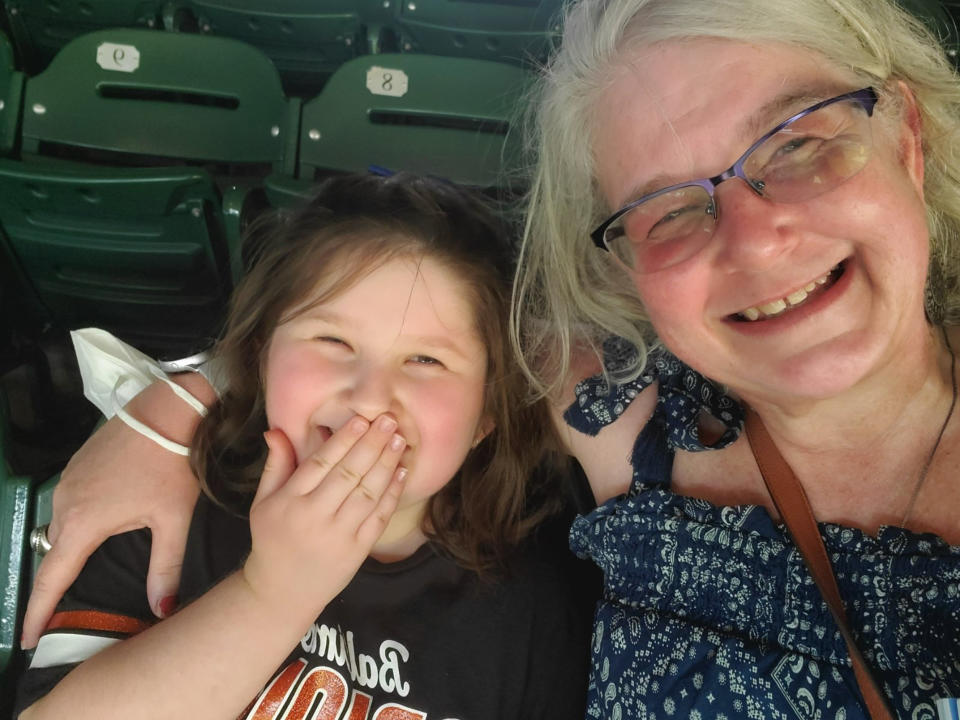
pixel 352 225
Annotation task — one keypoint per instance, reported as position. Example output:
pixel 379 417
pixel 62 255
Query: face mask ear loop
pixel 145 430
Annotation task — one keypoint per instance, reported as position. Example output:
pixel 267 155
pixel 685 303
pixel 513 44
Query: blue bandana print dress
pixel 709 613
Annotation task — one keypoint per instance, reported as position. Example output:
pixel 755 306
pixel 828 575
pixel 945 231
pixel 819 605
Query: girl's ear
pixel 484 428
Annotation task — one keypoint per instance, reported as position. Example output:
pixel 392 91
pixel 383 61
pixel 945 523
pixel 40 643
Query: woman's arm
pixel 118 481
pixel 311 527
pixel 604 457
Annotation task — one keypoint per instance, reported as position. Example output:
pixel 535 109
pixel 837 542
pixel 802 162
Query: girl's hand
pixel 313 525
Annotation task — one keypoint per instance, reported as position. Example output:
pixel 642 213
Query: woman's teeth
pixel 797 297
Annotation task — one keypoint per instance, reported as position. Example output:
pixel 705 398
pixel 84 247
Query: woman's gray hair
pixel 569 293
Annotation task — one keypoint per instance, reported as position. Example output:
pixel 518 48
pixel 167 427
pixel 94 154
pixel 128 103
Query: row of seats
pixel 135 159
pixel 306 39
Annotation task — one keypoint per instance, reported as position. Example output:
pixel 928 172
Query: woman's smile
pixel 790 301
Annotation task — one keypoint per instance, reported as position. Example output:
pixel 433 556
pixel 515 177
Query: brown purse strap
pixel 794 508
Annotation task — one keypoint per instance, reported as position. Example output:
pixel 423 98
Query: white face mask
pixel 113 373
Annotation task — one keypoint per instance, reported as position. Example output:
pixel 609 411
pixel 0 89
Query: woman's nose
pixel 752 231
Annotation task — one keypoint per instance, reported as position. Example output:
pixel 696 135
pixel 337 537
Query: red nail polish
pixel 168 605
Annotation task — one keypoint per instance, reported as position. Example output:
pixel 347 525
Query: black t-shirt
pixel 419 638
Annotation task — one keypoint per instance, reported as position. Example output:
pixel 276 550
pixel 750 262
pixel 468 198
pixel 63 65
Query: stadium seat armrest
pixel 234 199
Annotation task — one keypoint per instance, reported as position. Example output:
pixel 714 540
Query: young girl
pixel 366 347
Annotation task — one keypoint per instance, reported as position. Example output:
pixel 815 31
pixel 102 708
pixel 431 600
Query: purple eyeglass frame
pixel 867 97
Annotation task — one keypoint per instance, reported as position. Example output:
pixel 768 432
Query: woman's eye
pixel 793 145
pixel 674 215
pixel 798 149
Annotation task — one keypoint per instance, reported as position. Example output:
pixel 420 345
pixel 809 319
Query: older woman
pixel 765 194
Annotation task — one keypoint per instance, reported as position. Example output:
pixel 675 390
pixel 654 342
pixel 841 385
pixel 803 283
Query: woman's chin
pixel 824 373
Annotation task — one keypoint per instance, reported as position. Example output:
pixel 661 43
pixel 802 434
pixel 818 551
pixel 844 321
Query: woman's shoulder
pixel 727 476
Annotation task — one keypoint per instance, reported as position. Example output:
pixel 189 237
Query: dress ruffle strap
pixel 683 395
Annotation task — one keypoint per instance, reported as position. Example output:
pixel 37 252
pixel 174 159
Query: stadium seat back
pixel 139 251
pixel 415 113
pixel 305 39
pixel 11 97
pixel 517 32
pixel 41 29
pixel 161 95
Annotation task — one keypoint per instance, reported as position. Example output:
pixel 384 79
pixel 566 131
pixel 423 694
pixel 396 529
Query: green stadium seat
pixel 40 29
pixel 940 21
pixel 161 95
pixel 518 32
pixel 307 40
pixel 41 512
pixel 119 248
pixel 14 529
pixel 139 149
pixel 415 113
pixel 11 97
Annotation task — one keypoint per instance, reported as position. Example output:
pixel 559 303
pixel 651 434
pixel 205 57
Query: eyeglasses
pixel 808 154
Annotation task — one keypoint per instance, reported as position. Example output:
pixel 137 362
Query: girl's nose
pixel 371 392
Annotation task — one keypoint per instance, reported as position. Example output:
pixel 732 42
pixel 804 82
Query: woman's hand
pixel 120 481
pixel 313 525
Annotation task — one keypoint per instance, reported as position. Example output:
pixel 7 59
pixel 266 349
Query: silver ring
pixel 38 540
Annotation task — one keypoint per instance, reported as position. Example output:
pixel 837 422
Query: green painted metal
pixel 170 95
pixel 518 32
pixel 453 119
pixel 114 214
pixel 11 97
pixel 14 505
pixel 41 28
pixel 41 513
pixel 139 251
pixel 305 39
pixel 14 521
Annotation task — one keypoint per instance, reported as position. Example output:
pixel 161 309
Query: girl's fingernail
pixel 168 605
pixel 401 474
pixel 396 442
pixel 387 423
pixel 359 426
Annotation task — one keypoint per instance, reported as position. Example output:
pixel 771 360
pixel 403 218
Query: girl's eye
pixel 425 360
pixel 331 340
